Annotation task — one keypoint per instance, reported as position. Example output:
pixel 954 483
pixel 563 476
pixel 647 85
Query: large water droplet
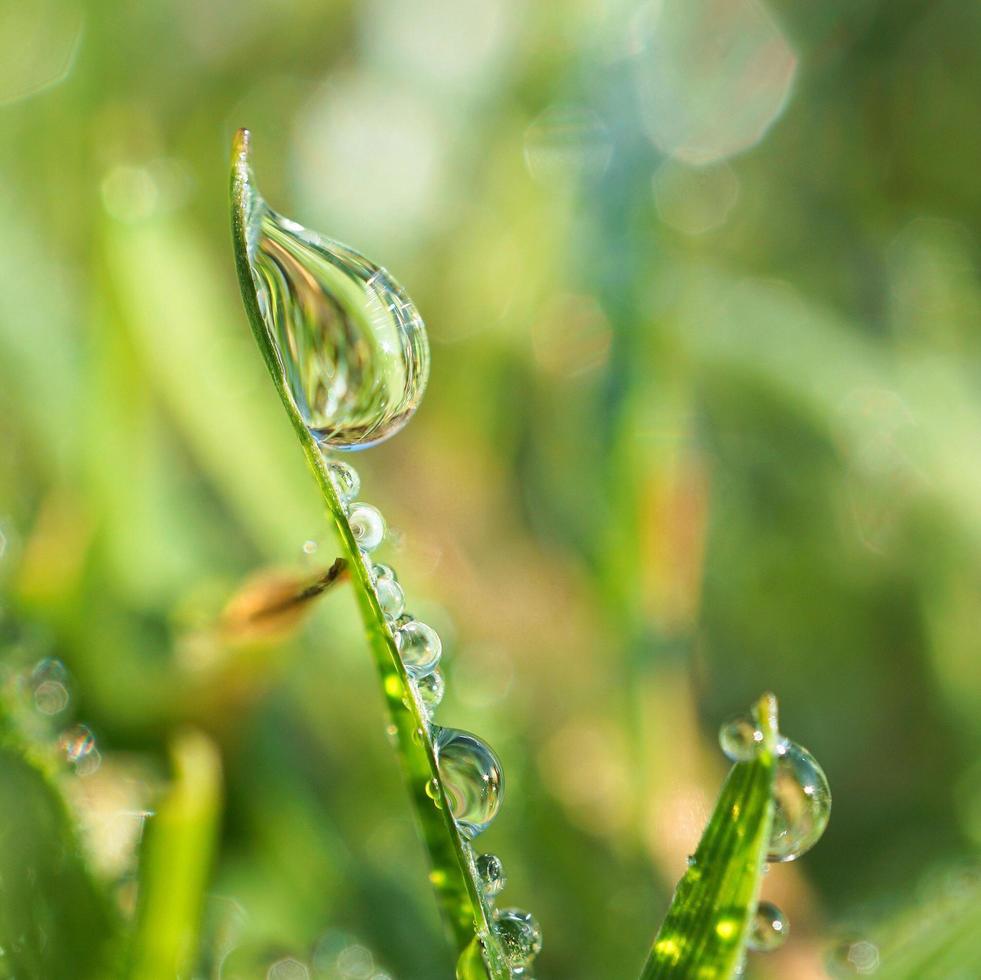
pixel 419 647
pixel 351 345
pixel 472 779
pixel 740 739
pixel 490 870
pixel 520 936
pixel 768 928
pixel 803 803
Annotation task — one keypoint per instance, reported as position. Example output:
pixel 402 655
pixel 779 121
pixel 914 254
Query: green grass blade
pixel 704 932
pixel 453 875
pixel 175 863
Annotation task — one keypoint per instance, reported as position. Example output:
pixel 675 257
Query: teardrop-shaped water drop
pixel 350 344
pixel 419 647
pixel 740 738
pixel 802 801
pixel 431 689
pixel 472 779
pixel 768 928
pixel 490 870
pixel 519 935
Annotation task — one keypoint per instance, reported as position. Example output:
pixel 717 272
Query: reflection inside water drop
pixel 768 928
pixel 520 936
pixel 350 343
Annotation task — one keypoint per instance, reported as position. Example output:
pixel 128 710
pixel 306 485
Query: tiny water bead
pixel 472 779
pixel 768 928
pixel 345 478
pixel 49 681
pixel 391 598
pixel 519 935
pixel 351 346
pixel 431 689
pixel 419 647
pixel 367 526
pixel 490 870
pixel 802 801
pixel 740 739
pixel 432 791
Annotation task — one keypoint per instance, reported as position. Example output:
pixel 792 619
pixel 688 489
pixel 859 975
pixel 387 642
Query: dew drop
pixel 367 526
pixel 431 689
pixel 49 680
pixel 78 744
pixel 345 478
pixel 519 935
pixel 351 345
pixel 472 779
pixel 432 791
pixel 803 803
pixel 768 928
pixel 490 870
pixel 391 598
pixel 740 739
pixel 419 647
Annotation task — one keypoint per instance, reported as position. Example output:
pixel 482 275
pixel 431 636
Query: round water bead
pixel 519 935
pixel 490 869
pixel 768 928
pixel 419 647
pixel 431 689
pixel 740 739
pixel 472 779
pixel 391 598
pixel 345 478
pixel 367 526
pixel 351 345
pixel 802 800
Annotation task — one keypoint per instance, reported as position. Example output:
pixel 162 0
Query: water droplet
pixel 309 547
pixel 768 928
pixel 345 478
pixel 491 871
pixel 50 682
pixel 472 779
pixel 391 598
pixel 803 803
pixel 367 526
pixel 740 739
pixel 432 791
pixel 351 345
pixel 78 744
pixel 431 689
pixel 520 936
pixel 419 647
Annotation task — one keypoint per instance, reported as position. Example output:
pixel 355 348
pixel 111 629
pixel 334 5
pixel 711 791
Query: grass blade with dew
pixel 705 930
pixel 462 902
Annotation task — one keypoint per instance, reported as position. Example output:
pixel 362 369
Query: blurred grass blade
pixel 453 875
pixel 175 863
pixel 704 932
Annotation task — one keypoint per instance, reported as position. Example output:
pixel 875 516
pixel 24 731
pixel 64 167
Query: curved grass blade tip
pixel 704 933
pixel 267 249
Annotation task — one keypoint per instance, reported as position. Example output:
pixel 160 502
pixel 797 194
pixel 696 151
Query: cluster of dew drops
pixel 470 772
pixel 50 689
pixel 802 807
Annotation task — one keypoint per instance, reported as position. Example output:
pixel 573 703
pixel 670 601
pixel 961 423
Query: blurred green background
pixel 704 419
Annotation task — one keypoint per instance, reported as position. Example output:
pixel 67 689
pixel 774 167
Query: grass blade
pixel 175 863
pixel 453 875
pixel 704 932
